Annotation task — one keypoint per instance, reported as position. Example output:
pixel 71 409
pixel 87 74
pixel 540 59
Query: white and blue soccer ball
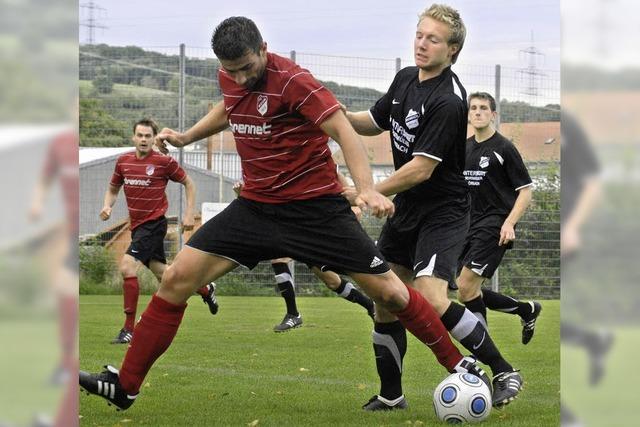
pixel 461 398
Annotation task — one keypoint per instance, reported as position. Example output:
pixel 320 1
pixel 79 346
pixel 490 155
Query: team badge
pixel 484 162
pixel 412 119
pixel 262 104
pixel 150 169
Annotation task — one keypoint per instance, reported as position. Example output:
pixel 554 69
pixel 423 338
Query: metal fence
pixel 176 86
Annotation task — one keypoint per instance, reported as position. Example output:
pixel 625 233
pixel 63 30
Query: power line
pixel 92 22
pixel 532 73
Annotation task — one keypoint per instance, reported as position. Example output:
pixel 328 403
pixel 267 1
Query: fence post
pixel 495 279
pixel 496 94
pixel 181 104
pixel 292 55
pixel 398 65
pixel 209 142
pixel 221 171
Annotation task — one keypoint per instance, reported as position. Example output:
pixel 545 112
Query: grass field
pixel 232 370
pixel 612 402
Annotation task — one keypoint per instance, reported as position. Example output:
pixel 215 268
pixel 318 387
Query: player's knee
pixel 175 281
pixel 127 268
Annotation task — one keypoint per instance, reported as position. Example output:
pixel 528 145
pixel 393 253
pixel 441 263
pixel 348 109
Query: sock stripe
pixel 347 290
pixel 388 342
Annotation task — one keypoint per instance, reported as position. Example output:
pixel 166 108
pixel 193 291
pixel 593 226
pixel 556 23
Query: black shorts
pixel 425 240
pixel 481 253
pixel 322 232
pixel 147 241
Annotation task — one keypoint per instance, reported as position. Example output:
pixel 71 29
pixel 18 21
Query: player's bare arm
pixel 109 200
pixel 215 121
pixel 361 122
pixel 337 127
pixel 190 193
pixel 507 231
pixel 419 169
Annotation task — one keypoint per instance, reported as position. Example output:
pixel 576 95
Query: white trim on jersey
pixel 456 89
pixel 267 157
pixel 500 159
pixel 291 78
pixel 299 175
pixel 326 111
pixel 319 188
pixel 523 186
pixel 431 156
pixel 259 117
pixel 374 121
pixel 307 97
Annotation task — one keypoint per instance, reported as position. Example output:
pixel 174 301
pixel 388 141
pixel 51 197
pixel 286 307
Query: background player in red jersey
pixel 144 175
pixel 290 205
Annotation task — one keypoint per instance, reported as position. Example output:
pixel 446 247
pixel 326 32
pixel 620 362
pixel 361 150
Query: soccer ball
pixel 462 398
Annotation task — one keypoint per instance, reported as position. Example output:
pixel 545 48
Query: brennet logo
pixel 137 182
pixel 244 129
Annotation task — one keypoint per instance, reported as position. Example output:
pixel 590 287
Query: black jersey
pixel 494 172
pixel 579 163
pixel 429 119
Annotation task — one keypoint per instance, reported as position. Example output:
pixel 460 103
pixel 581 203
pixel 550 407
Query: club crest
pixel 412 119
pixel 484 161
pixel 150 169
pixel 262 105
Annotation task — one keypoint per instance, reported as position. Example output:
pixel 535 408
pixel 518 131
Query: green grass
pixel 612 402
pixel 232 369
pixel 28 355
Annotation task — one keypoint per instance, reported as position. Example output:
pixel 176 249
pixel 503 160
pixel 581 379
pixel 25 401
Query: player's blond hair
pixel 451 17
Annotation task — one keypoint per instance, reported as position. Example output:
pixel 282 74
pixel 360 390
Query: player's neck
pixel 484 133
pixel 429 73
pixel 140 155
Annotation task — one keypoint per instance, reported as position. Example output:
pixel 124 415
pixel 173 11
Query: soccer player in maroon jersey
pixel 62 163
pixel 144 174
pixel 290 205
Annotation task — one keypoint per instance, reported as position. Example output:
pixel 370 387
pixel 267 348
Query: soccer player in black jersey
pixel 425 110
pixel 501 191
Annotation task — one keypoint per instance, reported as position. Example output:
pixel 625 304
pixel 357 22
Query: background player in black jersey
pixel 501 191
pixel 425 111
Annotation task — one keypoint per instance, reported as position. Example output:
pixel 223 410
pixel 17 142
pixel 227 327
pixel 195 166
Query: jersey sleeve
pixel 304 94
pixel 51 165
pixel 117 179
pixel 440 129
pixel 515 168
pixel 381 110
pixel 175 172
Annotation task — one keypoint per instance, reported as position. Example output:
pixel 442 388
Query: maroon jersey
pixel 145 181
pixel 284 152
pixel 62 162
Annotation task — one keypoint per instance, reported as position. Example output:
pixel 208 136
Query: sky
pixel 498 30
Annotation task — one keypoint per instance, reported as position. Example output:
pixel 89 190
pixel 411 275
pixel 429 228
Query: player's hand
pixel 375 202
pixel 35 212
pixel 507 234
pixel 357 212
pixel 343 107
pixel 569 240
pixel 237 187
pixel 187 223
pixel 350 193
pixel 105 213
pixel 170 136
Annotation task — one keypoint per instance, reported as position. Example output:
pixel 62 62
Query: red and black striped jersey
pixel 145 181
pixel 284 152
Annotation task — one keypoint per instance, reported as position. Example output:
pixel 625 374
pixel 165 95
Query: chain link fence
pixel 177 86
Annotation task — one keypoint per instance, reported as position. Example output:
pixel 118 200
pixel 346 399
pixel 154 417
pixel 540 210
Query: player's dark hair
pixel 235 37
pixel 485 97
pixel 148 123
